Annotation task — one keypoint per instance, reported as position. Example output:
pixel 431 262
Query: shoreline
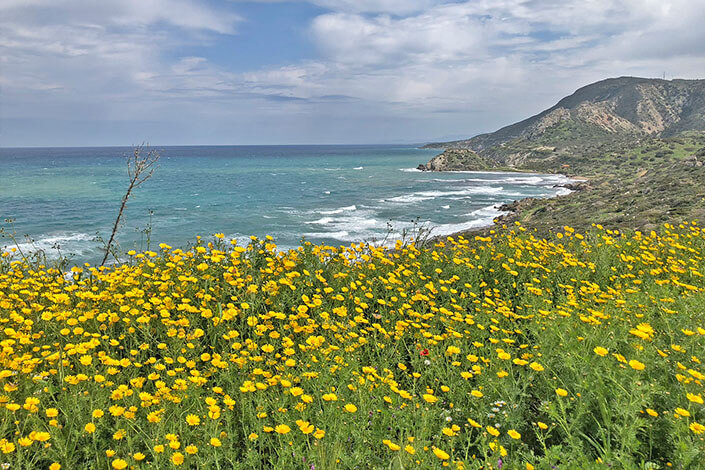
pixel 575 185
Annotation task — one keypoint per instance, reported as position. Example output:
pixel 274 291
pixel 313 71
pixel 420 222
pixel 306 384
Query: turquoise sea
pixel 332 194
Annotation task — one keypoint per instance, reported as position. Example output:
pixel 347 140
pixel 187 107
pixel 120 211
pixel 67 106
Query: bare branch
pixel 140 168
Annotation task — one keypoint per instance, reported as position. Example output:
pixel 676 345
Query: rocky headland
pixel 639 143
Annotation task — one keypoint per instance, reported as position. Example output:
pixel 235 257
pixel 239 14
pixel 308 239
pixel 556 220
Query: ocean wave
pixel 487 211
pixel 321 221
pixel 78 243
pixel 359 168
pixel 523 179
pixel 339 210
pixel 428 195
pixel 485 218
pixel 410 170
pixel 340 235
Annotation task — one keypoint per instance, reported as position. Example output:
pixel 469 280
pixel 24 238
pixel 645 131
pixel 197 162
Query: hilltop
pixel 639 142
pixel 609 109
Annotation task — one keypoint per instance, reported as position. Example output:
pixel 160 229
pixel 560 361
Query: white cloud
pixel 394 7
pixel 433 66
pixel 397 7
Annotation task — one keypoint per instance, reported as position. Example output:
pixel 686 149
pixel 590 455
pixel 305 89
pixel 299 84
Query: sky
pixel 230 72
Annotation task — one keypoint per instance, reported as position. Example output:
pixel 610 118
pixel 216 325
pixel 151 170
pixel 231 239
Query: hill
pixel 608 109
pixel 639 142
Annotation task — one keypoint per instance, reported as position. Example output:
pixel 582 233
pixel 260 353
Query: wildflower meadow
pixel 583 350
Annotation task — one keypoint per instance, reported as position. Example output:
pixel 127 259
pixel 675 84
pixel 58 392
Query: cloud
pixel 394 7
pixel 397 7
pixel 430 66
pixel 97 60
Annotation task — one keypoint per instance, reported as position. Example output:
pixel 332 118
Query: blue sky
pixel 171 72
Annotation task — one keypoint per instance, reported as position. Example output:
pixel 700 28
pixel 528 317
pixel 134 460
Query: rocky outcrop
pixel 693 161
pixel 457 160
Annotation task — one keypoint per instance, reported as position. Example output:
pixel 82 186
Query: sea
pixel 62 200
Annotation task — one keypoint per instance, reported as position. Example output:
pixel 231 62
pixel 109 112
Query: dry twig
pixel 140 168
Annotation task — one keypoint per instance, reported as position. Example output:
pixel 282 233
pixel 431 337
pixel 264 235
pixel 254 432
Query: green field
pixel 576 351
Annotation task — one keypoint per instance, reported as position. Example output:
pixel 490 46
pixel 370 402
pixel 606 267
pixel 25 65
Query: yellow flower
pixel 561 392
pixel 697 428
pixel 392 446
pixel 651 412
pixel 139 456
pixel 682 412
pixel 253 436
pixel 215 442
pixel 119 464
pixel 430 398
pixel 542 425
pixel 536 366
pixel 440 454
pixel 159 448
pixel 89 428
pixel 40 436
pixel 177 458
pixel 529 466
pixel 410 450
pixel 476 394
pixel 636 365
pixel 474 423
pixel 52 412
pixel 330 397
pixel 282 429
pixel 319 434
pixel 193 420
pixel 305 426
pixel 350 408
pixel 55 466
pixel 98 414
pixel 695 398
pixel 513 434
pixel 191 449
pixel 492 431
pixel 600 351
pixel 7 447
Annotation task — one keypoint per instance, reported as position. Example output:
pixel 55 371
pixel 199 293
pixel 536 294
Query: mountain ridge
pixel 631 107
pixel 639 145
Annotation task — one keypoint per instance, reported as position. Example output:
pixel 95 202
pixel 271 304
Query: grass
pixel 632 184
pixel 583 350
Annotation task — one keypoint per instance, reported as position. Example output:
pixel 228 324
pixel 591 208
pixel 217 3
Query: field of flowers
pixel 506 351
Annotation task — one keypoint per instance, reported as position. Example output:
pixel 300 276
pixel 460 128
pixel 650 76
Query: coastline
pixel 511 211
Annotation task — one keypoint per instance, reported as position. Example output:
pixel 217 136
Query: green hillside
pixel 640 143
